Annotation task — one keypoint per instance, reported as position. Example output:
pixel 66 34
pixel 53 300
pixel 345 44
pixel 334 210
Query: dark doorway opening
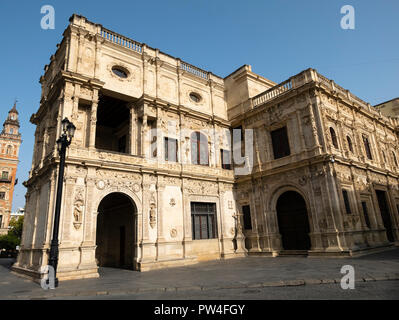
pixel 113 117
pixel 115 232
pixel 293 221
pixel 386 217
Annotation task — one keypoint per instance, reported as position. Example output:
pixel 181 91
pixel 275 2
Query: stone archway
pixel 293 221
pixel 116 236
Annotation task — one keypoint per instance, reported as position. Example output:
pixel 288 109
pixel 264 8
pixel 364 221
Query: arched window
pixel 350 146
pixel 334 138
pixel 199 149
pixel 367 147
pixel 394 159
pixel 9 150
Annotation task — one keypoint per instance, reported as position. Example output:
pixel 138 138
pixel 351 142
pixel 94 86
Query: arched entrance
pixel 293 221
pixel 116 231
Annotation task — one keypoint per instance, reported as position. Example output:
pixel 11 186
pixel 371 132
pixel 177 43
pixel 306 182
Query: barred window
pixel 4 175
pixel 226 159
pixel 346 201
pixel 334 138
pixel 366 214
pixel 171 147
pixel 203 218
pixel 350 146
pixel 281 146
pixel 367 147
pixel 2 195
pixel 241 143
pixel 199 149
pixel 246 211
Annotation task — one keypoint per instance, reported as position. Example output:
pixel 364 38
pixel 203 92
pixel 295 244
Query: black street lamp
pixel 68 131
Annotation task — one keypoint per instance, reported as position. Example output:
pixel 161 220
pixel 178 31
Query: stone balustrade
pixel 194 70
pixel 272 93
pixel 121 40
pixel 138 47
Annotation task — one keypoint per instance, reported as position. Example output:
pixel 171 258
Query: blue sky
pixel 277 38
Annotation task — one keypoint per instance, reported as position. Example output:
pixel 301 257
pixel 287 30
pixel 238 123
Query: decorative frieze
pixel 200 187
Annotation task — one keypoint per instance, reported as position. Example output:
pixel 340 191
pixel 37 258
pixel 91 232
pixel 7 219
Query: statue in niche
pixel 78 209
pixel 77 214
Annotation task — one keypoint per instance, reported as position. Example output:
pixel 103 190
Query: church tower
pixel 10 141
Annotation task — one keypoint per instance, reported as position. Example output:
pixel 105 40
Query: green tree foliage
pixel 12 239
pixel 16 227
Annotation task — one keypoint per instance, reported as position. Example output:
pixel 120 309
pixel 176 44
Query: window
pixel 11 131
pixel 240 132
pixel 203 217
pixel 195 97
pixel 383 156
pixel 1 220
pixel 394 159
pixel 171 149
pixel 199 149
pixel 9 150
pixel 367 147
pixel 366 214
pixel 119 72
pixel 334 138
pixel 281 147
pixel 4 175
pixel 346 201
pixel 226 159
pixel 350 146
pixel 2 195
pixel 246 211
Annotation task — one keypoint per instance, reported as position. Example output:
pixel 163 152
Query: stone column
pixel 66 211
pixel 160 206
pixel 187 233
pixel 313 125
pixel 93 120
pixel 300 131
pixel 133 131
pixel 393 209
pixel 51 203
pixel 319 121
pixel 336 212
pixel 88 246
pixel 159 137
pixel 144 140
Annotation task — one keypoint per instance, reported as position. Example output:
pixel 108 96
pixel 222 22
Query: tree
pixel 16 227
pixel 12 239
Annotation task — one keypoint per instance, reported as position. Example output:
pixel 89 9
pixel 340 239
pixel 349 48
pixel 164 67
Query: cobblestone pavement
pixel 241 273
pixel 372 290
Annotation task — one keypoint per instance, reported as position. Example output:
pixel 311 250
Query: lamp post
pixel 68 131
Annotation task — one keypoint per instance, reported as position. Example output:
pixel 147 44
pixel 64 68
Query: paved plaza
pixel 221 278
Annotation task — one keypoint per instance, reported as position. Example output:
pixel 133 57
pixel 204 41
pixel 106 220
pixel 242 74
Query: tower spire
pixel 14 108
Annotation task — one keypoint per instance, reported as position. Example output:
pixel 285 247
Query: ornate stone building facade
pixel 149 182
pixel 10 141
